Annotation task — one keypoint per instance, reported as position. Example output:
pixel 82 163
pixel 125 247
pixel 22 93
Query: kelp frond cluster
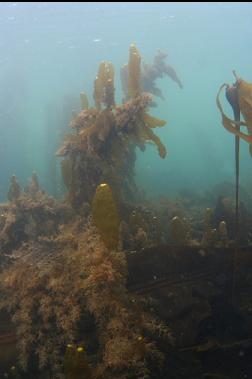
pixel 101 147
pixel 241 102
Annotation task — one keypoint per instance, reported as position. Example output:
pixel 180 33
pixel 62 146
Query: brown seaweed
pixel 134 73
pixel 102 145
pixel 124 76
pixel 240 98
pixel 149 74
pixel 245 104
pixel 69 289
pixel 244 90
pixel 104 86
pixel 158 69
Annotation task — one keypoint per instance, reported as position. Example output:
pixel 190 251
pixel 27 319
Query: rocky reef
pixel 63 283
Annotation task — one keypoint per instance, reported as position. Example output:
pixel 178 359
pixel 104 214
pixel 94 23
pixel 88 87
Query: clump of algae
pixel 102 145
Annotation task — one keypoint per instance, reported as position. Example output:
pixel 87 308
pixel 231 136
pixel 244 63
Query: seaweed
pixel 134 72
pixel 124 76
pixel 129 74
pixel 64 281
pixel 244 90
pixel 32 215
pixel 240 98
pixel 158 69
pixel 57 287
pixel 104 86
pixel 101 147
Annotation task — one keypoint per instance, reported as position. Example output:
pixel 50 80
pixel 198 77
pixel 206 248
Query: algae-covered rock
pixel 105 215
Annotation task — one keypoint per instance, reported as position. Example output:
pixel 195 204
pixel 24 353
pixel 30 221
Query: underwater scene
pixel 125 190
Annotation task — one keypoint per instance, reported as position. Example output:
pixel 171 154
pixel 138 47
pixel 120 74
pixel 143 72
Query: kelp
pixel 134 90
pixel 124 76
pixel 134 75
pixel 153 122
pixel 239 97
pixel 104 86
pixel 158 69
pixel 244 91
pixel 84 119
pixel 148 135
pixel 101 147
pixel 245 102
pixel 100 129
pixel 99 85
pixel 138 126
pixel 135 78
